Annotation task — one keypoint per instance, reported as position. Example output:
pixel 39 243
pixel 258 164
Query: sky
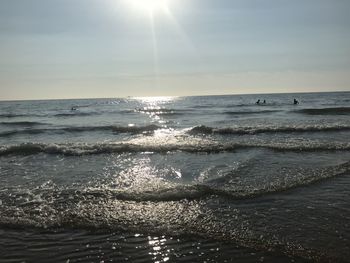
pixel 117 48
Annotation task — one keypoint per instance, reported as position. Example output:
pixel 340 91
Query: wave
pixel 19 132
pixel 118 129
pixel 176 192
pixel 250 112
pixel 17 115
pixel 65 114
pixel 199 191
pixel 326 111
pixel 111 128
pixel 22 123
pixel 78 149
pixel 188 210
pixel 136 129
pixel 256 130
pixel 76 114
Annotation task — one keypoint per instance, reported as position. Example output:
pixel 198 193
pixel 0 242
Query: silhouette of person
pixel 258 102
pixel 264 102
pixel 296 102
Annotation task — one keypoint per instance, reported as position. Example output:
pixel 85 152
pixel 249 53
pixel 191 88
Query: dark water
pixel 188 179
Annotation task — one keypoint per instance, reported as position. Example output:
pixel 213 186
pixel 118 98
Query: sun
pixel 150 6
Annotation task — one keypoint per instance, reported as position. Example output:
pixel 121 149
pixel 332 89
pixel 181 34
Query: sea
pixel 176 179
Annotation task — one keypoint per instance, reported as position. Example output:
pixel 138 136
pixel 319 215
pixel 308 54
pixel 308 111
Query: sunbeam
pixel 161 9
pixel 150 6
pixel 155 52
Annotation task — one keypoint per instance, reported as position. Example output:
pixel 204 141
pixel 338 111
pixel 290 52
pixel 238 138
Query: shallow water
pixel 213 179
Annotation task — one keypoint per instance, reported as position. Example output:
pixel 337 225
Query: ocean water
pixel 176 179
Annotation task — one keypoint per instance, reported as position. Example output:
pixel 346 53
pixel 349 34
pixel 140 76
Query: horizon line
pixel 176 96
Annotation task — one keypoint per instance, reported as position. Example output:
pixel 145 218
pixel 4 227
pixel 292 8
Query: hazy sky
pixel 111 48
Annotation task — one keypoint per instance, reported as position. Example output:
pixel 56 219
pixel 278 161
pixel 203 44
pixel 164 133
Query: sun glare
pixel 150 6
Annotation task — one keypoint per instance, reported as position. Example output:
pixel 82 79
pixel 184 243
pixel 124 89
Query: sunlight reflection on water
pixel 155 101
pixel 159 249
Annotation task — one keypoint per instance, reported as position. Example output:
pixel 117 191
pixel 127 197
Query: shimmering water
pixel 216 178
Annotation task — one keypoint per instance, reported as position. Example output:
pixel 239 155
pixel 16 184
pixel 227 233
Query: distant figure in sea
pixel 73 108
pixel 258 101
pixel 296 102
pixel 264 102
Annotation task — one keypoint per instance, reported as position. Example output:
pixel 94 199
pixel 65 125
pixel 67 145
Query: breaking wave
pixel 111 128
pixel 119 129
pixel 198 191
pixel 176 192
pixel 108 148
pixel 256 130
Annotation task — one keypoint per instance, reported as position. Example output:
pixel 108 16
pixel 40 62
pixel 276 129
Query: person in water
pixel 264 102
pixel 296 102
pixel 258 102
